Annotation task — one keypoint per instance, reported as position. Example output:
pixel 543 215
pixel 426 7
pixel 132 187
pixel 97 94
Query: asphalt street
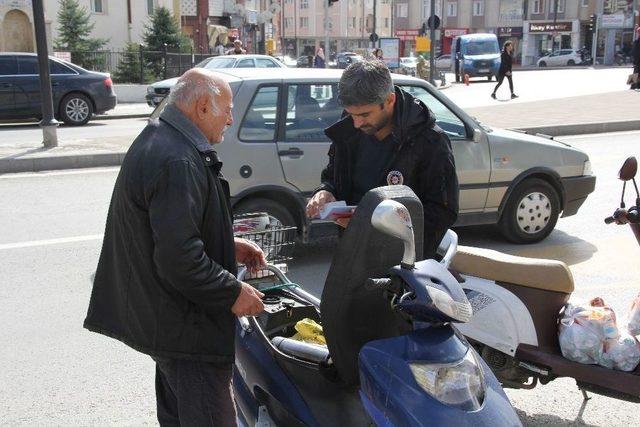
pixel 56 373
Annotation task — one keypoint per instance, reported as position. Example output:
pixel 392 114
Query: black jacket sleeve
pixel 176 206
pixel 438 193
pixel 328 173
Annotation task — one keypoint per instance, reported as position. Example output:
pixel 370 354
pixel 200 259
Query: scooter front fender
pixel 392 397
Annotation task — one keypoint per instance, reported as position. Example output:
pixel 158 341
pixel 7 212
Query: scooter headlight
pixel 459 384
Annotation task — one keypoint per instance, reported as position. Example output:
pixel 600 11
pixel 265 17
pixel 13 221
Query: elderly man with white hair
pixel 165 283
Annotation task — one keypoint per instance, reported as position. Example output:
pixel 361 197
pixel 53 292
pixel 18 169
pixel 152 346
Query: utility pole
pixel 373 29
pixel 555 30
pixel 594 41
pixel 326 33
pixel 432 37
pixel 48 122
pixel 636 20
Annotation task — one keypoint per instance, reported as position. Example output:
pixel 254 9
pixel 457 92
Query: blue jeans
pixel 194 393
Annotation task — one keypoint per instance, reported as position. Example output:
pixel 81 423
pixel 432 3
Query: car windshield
pixel 220 62
pixel 481 47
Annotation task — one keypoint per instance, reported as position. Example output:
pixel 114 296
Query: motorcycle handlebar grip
pixel 609 220
pixel 372 284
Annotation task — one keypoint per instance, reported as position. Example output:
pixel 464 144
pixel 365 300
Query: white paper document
pixel 335 210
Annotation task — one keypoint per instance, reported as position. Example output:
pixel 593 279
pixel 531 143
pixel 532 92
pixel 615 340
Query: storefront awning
pixel 216 31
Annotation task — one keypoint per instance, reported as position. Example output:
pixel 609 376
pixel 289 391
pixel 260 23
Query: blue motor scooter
pixel 393 356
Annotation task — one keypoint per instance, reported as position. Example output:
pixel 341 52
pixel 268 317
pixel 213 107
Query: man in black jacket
pixel 388 137
pixel 165 281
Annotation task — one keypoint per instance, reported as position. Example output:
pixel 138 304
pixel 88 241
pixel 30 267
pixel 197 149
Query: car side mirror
pixel 477 136
pixel 392 218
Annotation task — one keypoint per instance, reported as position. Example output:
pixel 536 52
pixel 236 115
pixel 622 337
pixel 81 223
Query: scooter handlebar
pixel 372 284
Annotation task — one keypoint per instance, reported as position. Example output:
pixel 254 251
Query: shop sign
pixel 391 51
pixel 612 21
pixel 407 34
pixel 455 32
pixel 550 27
pixel 509 31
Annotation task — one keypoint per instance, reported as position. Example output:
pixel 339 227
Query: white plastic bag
pixel 633 324
pixel 623 353
pixel 579 343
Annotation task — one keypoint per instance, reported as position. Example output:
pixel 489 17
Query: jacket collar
pixel 176 118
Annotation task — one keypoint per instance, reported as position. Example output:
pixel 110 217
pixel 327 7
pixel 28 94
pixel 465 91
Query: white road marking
pixel 34 243
pixel 59 173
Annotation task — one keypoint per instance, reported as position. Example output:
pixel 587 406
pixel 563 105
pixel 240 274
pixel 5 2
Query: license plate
pixel 483 70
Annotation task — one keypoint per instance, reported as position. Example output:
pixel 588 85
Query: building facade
pixel 117 21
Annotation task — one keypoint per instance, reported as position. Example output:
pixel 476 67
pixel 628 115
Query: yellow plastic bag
pixel 309 331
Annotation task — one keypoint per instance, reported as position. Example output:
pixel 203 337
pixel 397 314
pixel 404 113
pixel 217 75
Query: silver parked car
pixel 276 148
pixel 560 58
pixel 158 90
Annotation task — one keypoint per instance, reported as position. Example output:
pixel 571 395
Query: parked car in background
pixel 276 149
pixel 304 61
pixel 78 94
pixel 443 62
pixel 344 59
pixel 408 65
pixel 158 90
pixel 286 60
pixel 563 57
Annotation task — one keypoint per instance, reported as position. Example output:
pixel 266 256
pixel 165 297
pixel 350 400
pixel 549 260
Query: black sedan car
pixel 77 93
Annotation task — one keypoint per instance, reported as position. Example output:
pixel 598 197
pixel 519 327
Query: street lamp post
pixel 48 122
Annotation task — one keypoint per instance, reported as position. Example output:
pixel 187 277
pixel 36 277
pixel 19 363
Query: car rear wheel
pixel 571 62
pixel 489 78
pixel 542 64
pixel 76 109
pixel 531 212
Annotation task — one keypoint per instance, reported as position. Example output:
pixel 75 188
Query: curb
pixel 80 161
pixel 120 116
pixel 583 128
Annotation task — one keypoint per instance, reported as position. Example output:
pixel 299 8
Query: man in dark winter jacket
pixel 165 281
pixel 388 137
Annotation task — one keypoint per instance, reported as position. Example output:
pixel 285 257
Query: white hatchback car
pixel 560 58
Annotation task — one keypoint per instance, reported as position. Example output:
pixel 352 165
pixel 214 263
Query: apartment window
pixel 386 22
pixel 478 8
pixel 97 6
pixel 402 10
pixel 552 4
pixel 585 3
pixel 385 2
pixel 352 23
pixel 304 22
pixel 536 7
pixel 452 9
pixel 150 7
pixel 304 4
pixel 288 23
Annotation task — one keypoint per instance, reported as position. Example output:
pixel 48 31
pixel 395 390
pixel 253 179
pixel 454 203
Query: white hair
pixel 187 91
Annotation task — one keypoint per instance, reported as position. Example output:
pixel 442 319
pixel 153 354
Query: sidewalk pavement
pixel 608 112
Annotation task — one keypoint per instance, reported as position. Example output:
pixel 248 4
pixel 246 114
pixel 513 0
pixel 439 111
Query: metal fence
pixel 138 66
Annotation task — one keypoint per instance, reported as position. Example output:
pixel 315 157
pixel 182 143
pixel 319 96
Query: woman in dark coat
pixel 505 69
pixel 635 54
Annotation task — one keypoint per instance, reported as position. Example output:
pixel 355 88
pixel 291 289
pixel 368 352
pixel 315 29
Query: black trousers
pixel 194 393
pixel 501 79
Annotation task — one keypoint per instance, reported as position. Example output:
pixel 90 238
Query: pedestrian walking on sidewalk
pixel 506 61
pixel 165 283
pixel 318 60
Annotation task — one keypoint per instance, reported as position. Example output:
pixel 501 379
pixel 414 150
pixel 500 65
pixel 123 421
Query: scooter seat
pixel 549 275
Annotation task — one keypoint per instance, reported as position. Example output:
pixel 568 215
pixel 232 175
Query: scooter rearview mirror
pixel 628 170
pixel 392 218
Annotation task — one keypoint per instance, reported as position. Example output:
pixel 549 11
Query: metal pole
pixel 326 33
pixel 373 29
pixel 636 21
pixel 555 31
pixel 48 122
pixel 594 42
pixel 432 36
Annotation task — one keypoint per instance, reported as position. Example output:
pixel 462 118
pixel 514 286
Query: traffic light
pixel 331 2
pixel 593 20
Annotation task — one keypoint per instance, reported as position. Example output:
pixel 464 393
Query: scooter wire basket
pixel 276 240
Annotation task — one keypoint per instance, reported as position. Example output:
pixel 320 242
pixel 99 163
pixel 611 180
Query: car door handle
pixel 293 152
